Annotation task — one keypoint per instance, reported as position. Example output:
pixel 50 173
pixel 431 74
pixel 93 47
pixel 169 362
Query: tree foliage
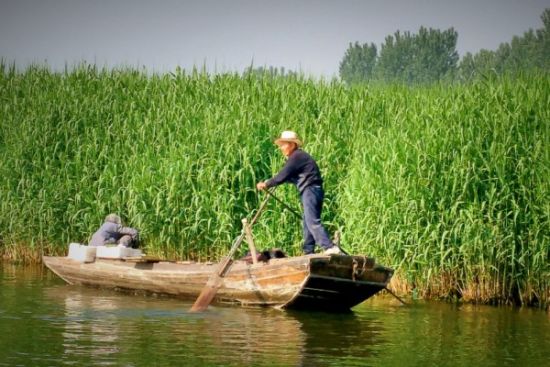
pixel 269 72
pixel 430 56
pixel 412 58
pixel 425 57
pixel 358 63
pixel 528 52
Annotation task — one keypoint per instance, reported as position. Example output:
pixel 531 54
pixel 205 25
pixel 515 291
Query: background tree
pixel 528 52
pixel 269 72
pixel 358 63
pixel 543 35
pixel 482 63
pixel 395 54
pixel 425 57
pixel 431 56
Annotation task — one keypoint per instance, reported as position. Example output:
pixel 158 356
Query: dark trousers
pixel 314 232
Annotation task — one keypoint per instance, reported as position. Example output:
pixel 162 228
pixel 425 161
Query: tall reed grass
pixel 449 184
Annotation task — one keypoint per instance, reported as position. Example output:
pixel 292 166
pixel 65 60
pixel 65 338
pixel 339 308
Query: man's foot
pixel 333 251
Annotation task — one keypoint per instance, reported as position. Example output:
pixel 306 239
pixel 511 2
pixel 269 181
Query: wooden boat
pixel 315 282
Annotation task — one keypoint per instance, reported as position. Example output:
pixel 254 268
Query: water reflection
pixel 101 332
pixel 241 336
pixel 44 322
pixel 100 327
pixel 339 339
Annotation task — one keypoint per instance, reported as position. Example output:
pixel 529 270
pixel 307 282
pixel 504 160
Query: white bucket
pixel 116 252
pixel 82 253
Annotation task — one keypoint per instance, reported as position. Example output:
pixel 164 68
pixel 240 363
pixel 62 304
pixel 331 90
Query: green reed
pixel 448 183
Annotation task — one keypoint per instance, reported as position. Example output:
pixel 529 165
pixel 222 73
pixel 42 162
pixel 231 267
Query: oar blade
pixel 205 298
pixel 209 291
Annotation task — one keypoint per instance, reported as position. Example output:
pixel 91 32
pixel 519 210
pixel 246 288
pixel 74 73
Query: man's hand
pixel 261 185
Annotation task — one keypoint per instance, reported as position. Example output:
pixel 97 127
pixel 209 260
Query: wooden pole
pixel 250 240
pixel 211 288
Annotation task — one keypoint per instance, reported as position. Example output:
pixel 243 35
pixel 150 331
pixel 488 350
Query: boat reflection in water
pixel 106 327
pixel 91 328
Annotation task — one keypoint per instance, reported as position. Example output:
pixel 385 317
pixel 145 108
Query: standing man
pixel 301 170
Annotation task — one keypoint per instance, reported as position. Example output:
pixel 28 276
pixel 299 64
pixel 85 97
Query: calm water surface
pixel 44 322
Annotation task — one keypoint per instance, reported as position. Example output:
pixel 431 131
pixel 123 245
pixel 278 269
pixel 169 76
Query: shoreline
pixel 470 293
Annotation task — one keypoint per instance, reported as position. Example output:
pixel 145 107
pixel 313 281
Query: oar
pixel 211 288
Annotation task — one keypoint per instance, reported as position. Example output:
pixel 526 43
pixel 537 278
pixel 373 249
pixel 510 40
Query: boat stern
pixel 339 282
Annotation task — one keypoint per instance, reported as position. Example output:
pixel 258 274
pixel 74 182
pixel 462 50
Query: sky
pixel 225 36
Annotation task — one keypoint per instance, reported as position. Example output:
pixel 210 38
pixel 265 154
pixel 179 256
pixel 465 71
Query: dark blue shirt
pixel 300 169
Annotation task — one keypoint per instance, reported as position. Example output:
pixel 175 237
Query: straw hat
pixel 289 137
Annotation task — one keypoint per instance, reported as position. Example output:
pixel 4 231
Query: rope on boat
pixel 359 273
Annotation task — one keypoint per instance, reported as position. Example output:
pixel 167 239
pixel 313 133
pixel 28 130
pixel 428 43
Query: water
pixel 44 322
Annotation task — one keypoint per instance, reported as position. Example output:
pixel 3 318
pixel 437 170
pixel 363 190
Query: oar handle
pixel 262 206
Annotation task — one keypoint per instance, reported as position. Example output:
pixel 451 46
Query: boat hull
pixel 335 282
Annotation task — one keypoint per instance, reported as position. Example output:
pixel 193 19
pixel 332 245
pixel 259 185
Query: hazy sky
pixel 311 36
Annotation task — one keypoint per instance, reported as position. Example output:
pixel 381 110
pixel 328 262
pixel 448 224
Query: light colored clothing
pixel 113 233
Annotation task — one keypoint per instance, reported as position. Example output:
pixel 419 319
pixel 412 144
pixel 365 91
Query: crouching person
pixel 112 232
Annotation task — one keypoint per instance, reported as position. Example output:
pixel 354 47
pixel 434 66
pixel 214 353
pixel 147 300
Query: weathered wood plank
pixel 315 281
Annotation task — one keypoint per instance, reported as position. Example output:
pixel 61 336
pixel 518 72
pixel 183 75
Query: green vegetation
pixel 448 184
pixel 425 57
pixel 527 52
pixel 269 72
pixel 431 56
